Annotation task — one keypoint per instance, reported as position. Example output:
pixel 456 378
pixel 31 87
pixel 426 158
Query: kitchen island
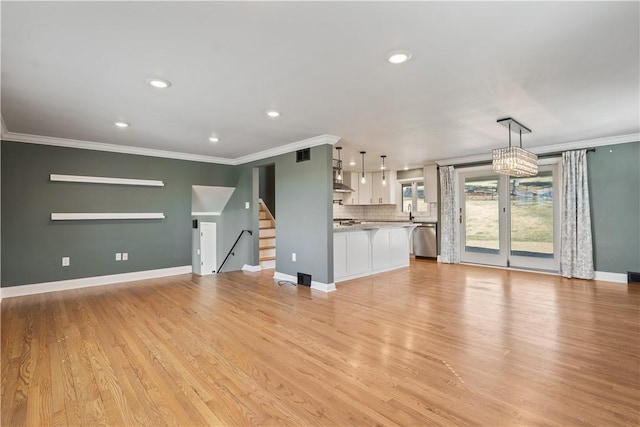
pixel 367 248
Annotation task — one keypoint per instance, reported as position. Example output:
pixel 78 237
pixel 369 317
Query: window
pixel 413 197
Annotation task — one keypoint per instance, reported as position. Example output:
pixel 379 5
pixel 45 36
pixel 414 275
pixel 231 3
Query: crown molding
pixel 576 145
pixel 288 148
pixel 114 148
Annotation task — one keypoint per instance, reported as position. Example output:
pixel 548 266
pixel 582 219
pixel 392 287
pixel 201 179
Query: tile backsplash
pixel 381 213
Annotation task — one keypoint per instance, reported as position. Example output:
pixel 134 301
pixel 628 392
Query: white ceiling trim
pixel 588 143
pixel 113 148
pixel 288 148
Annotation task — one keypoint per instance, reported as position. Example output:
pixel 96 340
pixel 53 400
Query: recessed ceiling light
pixel 214 139
pixel 399 56
pixel 273 113
pixel 159 83
pixel 406 168
pixel 352 163
pixel 122 124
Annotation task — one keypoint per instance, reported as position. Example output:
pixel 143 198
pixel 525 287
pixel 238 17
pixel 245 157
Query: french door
pixel 507 221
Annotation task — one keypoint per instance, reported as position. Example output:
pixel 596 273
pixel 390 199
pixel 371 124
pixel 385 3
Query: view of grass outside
pixel 482 222
pixel 408 203
pixel 531 215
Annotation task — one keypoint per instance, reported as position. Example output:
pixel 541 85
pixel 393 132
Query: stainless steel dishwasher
pixel 425 241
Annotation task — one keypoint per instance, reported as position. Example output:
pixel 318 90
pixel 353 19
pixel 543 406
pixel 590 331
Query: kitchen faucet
pixel 411 217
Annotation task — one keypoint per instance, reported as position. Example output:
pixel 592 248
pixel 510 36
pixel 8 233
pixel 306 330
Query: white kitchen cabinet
pixel 358 258
pixel 340 254
pixel 399 246
pixel 362 252
pixel 431 183
pixel 383 194
pixel 351 253
pixel 364 190
pixel 350 179
pixel 380 249
pixel 389 248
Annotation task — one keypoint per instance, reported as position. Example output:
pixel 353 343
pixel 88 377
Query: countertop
pixel 370 225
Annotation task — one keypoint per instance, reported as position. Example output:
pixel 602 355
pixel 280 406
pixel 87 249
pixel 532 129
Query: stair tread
pixel 268 247
pixel 267 258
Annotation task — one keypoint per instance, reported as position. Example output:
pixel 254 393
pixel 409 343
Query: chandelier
pixel 514 161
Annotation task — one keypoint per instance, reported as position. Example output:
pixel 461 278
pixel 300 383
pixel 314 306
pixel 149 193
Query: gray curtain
pixel 576 247
pixel 449 242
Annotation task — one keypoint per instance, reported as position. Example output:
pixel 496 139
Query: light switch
pixel 247 205
pixel 293 257
pixel 125 256
pixel 118 256
pixel 65 261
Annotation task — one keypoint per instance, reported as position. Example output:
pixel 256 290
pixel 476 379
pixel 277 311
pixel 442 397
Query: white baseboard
pixel 86 282
pixel 611 277
pixel 252 268
pixel 318 286
pixel 604 276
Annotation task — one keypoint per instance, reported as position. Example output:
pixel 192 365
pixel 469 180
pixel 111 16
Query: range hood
pixel 340 187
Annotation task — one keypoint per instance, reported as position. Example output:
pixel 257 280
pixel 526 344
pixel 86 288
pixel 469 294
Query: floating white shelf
pixel 205 214
pixel 97 216
pixel 105 180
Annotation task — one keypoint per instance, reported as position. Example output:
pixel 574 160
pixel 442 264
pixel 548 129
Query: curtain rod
pixel 488 162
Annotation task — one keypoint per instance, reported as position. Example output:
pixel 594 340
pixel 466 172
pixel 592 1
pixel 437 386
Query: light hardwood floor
pixel 432 344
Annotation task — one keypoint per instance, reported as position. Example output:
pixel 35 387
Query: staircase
pixel 267 237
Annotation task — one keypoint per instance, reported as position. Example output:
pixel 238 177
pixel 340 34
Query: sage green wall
pixel 614 186
pixel 33 245
pixel 303 194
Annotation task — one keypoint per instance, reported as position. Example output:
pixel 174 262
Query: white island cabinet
pixel 370 248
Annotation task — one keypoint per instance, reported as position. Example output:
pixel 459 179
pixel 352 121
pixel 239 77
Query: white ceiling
pixel 568 70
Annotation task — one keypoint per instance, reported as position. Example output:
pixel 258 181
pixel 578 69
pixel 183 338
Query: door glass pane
pixel 407 197
pixel 420 203
pixel 532 215
pixel 482 215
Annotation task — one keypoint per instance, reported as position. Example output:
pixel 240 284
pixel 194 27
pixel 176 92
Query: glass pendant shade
pixel 515 161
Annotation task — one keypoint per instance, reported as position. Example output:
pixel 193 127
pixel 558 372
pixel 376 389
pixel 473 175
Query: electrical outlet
pixel 118 256
pixel 66 261
pixel 125 256
pixel 293 257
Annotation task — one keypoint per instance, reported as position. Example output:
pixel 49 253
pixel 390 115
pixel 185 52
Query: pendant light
pixel 363 179
pixel 384 178
pixel 514 161
pixel 339 175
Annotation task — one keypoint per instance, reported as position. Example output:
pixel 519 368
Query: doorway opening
pixel 267 216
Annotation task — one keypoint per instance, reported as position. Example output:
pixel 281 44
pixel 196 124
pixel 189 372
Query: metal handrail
pixel 232 247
